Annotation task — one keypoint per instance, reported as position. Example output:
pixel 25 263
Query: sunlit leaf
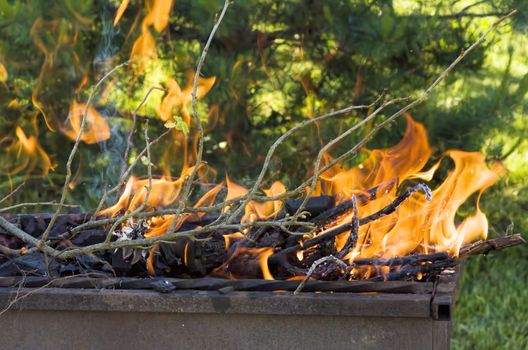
pixel 170 125
pixel 177 123
pixel 145 161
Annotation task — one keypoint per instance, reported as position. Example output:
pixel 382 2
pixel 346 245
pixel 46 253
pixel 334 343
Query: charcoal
pixel 129 263
pixel 69 270
pixel 132 255
pixel 169 258
pixel 34 263
pixel 89 237
pixel 273 238
pixel 314 205
pixel 90 263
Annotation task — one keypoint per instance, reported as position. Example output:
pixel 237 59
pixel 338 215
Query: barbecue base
pixel 60 318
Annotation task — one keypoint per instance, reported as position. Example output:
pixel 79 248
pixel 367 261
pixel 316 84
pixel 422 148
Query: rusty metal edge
pixel 444 295
pixel 184 301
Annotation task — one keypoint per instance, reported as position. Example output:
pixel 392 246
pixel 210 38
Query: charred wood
pixel 353 236
pixel 402 260
pixel 391 208
pixel 315 205
pixel 344 207
pixel 484 247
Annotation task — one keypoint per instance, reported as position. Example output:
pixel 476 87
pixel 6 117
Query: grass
pixel 492 305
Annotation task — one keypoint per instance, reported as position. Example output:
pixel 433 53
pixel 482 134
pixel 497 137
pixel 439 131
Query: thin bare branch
pixel 124 170
pixel 325 259
pixel 189 181
pixel 35 204
pixel 271 151
pixel 10 194
pixel 74 152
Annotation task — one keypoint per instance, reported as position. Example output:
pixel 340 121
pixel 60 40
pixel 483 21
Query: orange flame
pixel 179 99
pixel 144 48
pixel 418 225
pixel 96 128
pixel 255 210
pixel 28 155
pixel 120 10
pixel 401 162
pixel 164 192
pixel 158 13
pixel 3 73
pixel 260 211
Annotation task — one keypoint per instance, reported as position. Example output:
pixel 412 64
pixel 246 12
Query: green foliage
pixel 491 308
pixel 178 124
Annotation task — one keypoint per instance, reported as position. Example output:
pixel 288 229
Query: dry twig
pixel 329 258
pixel 74 152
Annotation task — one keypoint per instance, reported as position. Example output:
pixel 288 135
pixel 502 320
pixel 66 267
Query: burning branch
pixel 484 247
pixel 310 272
pixel 391 208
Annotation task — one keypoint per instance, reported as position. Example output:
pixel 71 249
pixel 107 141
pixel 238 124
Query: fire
pixel 255 210
pixel 120 10
pixel 400 162
pixel 96 128
pixel 164 192
pixel 419 225
pixel 179 99
pixel 28 155
pixel 3 73
pixel 144 48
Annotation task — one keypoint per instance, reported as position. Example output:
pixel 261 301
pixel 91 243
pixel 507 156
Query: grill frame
pixel 47 318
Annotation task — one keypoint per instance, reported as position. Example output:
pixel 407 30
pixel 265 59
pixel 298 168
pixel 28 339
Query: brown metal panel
pixel 441 335
pixel 132 330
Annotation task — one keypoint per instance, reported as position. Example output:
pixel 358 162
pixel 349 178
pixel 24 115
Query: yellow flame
pixel 158 13
pixel 120 10
pixel 96 128
pixel 267 209
pixel 178 100
pixel 417 226
pixel 144 48
pixel 27 155
pixel 3 73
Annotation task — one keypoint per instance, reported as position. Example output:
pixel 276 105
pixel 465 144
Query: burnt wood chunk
pixel 190 257
pixel 314 205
